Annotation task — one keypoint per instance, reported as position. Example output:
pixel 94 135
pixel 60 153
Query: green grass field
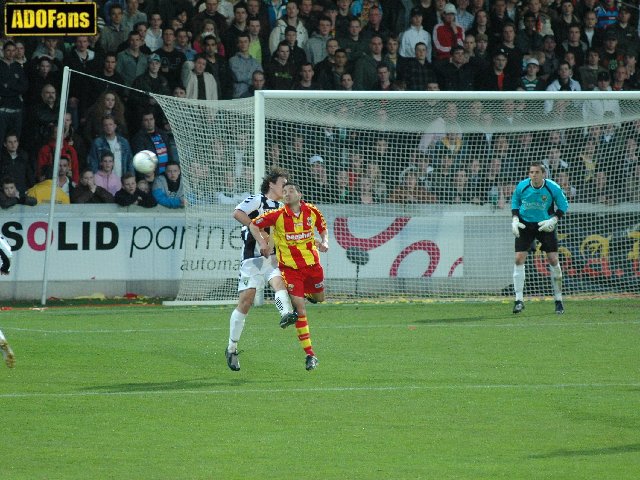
pixel 403 391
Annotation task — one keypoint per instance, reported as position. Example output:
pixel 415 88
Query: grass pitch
pixel 403 391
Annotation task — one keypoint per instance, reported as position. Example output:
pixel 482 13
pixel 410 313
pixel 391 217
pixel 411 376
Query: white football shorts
pixel 257 272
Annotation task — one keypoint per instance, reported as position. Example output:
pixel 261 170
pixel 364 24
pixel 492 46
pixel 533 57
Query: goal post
pixel 416 187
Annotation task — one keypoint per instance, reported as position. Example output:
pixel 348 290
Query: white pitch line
pixel 319 325
pixel 390 388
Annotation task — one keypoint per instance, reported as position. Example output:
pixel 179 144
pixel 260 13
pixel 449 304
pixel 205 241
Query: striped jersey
pixel 254 206
pixel 294 235
pixel 536 204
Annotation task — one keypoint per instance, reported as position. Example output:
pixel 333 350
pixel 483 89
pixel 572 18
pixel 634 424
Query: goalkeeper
pixel 5 266
pixel 537 205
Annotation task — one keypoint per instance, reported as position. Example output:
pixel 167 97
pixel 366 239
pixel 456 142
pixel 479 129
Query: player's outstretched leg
pixel 236 325
pixel 311 362
pixel 556 283
pixel 7 353
pixel 518 287
pixel 518 306
pixel 232 360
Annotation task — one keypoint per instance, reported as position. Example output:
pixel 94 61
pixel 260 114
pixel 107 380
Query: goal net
pixel 416 186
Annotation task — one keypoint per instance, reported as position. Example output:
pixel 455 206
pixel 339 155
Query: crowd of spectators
pixel 223 50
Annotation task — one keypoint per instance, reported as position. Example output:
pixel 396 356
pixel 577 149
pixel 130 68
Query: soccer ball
pixel 145 161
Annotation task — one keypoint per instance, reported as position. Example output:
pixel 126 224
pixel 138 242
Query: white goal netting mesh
pixel 417 189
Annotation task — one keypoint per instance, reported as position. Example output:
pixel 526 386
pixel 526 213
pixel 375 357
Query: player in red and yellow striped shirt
pixel 293 233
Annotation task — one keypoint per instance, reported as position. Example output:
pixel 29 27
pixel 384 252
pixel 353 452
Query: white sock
pixel 283 302
pixel 236 324
pixel 556 281
pixel 518 281
pixel 2 336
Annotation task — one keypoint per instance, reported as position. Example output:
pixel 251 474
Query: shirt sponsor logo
pixel 294 237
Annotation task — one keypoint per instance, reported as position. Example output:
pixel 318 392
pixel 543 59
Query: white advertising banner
pixel 151 245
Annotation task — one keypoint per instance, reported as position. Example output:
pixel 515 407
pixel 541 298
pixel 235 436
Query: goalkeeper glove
pixel 516 225
pixel 548 225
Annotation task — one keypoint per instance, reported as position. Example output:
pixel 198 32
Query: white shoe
pixel 7 354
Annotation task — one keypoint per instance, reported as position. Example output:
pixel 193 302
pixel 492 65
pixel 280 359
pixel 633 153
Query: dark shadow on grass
pixel 177 385
pixel 631 448
pixel 450 320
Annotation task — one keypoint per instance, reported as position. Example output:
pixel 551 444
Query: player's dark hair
pixel 7 180
pixel 105 154
pixel 294 185
pixel 272 177
pixel 538 163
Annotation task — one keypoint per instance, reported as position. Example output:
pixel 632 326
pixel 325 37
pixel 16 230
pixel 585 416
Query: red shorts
pixel 304 280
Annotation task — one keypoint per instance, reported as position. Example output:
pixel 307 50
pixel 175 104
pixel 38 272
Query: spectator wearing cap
pixel 131 63
pixel 413 35
pixel 290 19
pixel 530 81
pixel 527 39
pixel 497 77
pixel 13 84
pixel 447 34
pixel 610 55
pixel 456 74
pixel 151 81
pixel 606 14
pixel 316 186
pixel 597 110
